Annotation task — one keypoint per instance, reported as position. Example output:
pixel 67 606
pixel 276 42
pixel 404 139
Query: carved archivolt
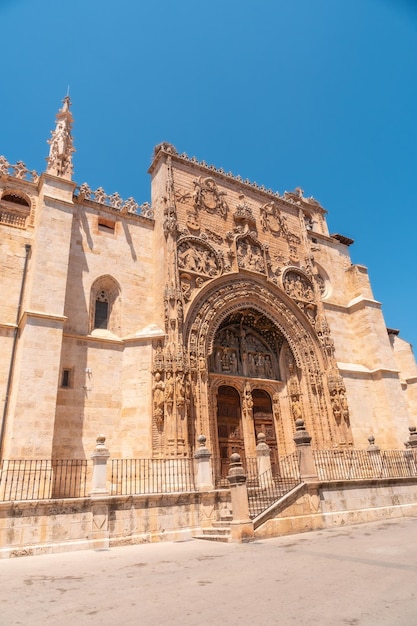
pixel 198 257
pixel 206 196
pixel 207 316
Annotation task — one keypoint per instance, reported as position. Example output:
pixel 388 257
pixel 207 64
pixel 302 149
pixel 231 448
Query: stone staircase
pixel 220 531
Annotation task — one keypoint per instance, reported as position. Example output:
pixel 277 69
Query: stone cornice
pixel 165 150
pixel 356 368
pixel 42 315
pixel 354 305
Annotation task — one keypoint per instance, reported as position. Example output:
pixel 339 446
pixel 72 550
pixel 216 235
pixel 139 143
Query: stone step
pixel 223 538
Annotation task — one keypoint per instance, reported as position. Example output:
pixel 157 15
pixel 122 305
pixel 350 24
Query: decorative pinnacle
pixel 61 142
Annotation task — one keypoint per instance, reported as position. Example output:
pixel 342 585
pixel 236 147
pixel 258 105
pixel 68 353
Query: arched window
pixel 105 305
pixel 101 312
pixel 14 209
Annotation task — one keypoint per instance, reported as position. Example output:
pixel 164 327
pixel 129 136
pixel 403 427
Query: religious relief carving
pixel 170 224
pixel 207 196
pixel 198 257
pixel 299 287
pixel 250 255
pixel 158 400
pixel 239 352
pixel 272 221
pixel 323 333
pixel 338 398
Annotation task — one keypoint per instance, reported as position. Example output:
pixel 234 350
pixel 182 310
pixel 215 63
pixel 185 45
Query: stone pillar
pixel 241 528
pixel 302 440
pixel 412 439
pixel 263 456
pixel 99 497
pixel 204 474
pixel 374 453
pixel 100 457
pixel 411 450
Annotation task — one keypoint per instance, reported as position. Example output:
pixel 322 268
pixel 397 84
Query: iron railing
pixel 342 464
pixel 151 476
pixel 30 479
pixel 267 488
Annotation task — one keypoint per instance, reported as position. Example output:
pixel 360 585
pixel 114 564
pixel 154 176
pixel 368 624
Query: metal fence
pixel 356 464
pixel 151 476
pixel 31 479
pixel 267 488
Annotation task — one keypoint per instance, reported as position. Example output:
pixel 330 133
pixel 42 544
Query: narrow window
pixel 66 378
pixel 101 313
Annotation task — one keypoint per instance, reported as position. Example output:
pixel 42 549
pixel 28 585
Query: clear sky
pixel 320 94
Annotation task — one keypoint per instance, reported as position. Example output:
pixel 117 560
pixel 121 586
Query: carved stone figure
pixel 158 399
pixel 169 389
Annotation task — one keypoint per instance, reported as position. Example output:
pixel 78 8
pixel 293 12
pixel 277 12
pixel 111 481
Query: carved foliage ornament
pixel 206 196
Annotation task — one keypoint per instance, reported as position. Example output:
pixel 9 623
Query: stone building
pixel 220 308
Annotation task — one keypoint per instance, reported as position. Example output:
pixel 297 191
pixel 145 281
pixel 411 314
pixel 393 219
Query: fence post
pixel 412 439
pixel 204 474
pixel 100 457
pixel 302 440
pixel 263 455
pixel 100 536
pixel 374 452
pixel 241 528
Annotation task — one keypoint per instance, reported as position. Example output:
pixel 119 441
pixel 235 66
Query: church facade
pixel 221 308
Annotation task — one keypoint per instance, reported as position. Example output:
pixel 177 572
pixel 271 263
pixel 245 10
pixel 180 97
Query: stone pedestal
pixel 100 457
pixel 204 474
pixel 263 458
pixel 241 528
pixel 302 440
pixel 99 539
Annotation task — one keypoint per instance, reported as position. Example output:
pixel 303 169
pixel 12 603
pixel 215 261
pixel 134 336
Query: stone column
pixel 374 453
pixel 412 439
pixel 241 528
pixel 411 450
pixel 302 440
pixel 99 497
pixel 100 457
pixel 263 456
pixel 204 474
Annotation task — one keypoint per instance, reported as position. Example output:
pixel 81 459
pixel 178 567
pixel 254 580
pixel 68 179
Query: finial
pixel 61 142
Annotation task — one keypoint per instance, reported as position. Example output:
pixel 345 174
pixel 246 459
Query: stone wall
pixel 50 526
pixel 323 505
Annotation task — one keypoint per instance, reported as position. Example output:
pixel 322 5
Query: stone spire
pixel 60 153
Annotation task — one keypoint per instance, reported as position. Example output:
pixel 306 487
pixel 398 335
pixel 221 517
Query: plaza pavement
pixel 358 575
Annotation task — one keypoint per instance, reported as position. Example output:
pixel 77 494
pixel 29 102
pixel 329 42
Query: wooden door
pixel 229 426
pixel 263 419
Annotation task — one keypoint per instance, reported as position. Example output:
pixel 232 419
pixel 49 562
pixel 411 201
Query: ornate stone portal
pixel 219 308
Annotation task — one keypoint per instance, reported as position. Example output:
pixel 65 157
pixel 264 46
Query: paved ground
pixel 358 575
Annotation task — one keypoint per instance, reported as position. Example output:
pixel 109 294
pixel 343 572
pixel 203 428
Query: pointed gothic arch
pixel 300 390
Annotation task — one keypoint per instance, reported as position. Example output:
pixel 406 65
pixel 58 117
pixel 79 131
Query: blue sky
pixel 319 94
